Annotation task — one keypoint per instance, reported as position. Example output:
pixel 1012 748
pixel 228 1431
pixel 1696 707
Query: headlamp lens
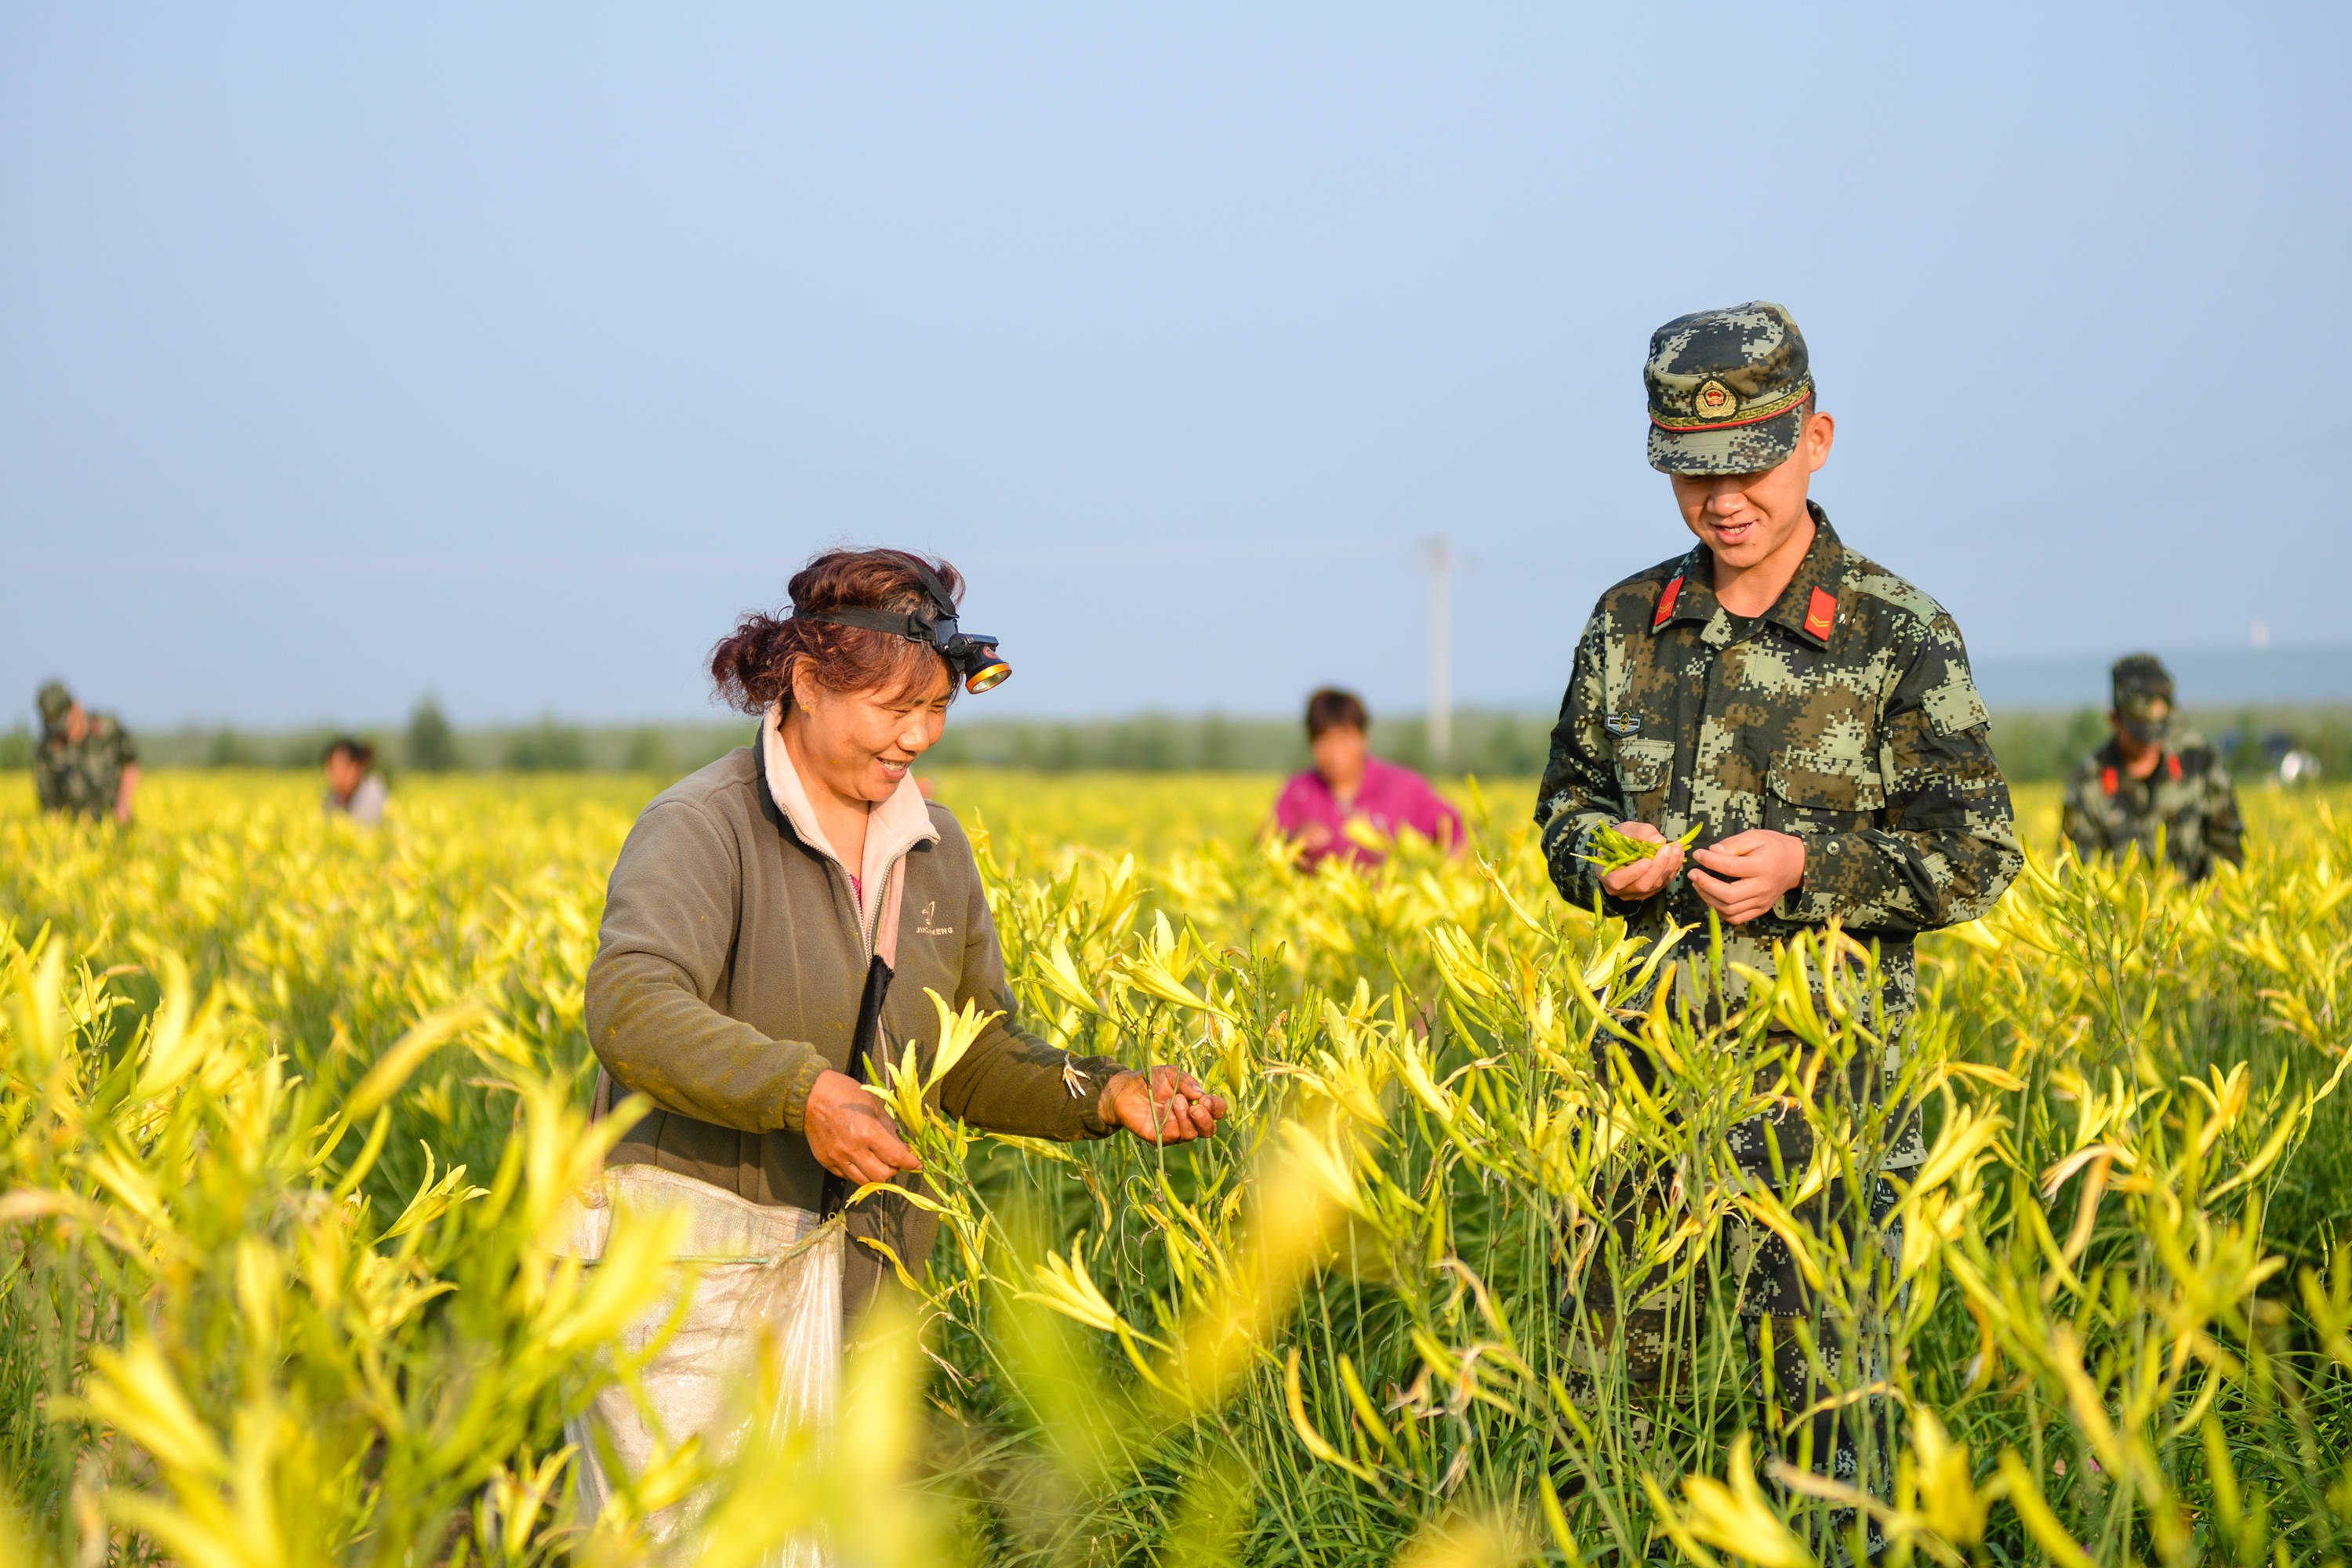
pixel 987 670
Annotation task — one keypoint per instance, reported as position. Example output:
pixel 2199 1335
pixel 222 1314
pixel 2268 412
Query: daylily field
pixel 289 1109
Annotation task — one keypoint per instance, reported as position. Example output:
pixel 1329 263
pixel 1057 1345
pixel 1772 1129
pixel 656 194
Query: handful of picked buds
pixel 1617 851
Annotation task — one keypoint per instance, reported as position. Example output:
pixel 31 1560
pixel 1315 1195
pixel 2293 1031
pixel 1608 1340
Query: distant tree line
pixel 2033 745
pixel 1494 745
pixel 430 744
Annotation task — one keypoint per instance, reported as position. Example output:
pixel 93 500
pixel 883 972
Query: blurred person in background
pixel 1349 784
pixel 86 765
pixel 354 789
pixel 775 920
pixel 2167 793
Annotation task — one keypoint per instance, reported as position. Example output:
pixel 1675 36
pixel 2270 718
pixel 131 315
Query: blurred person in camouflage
pixel 86 764
pixel 1812 714
pixel 2168 793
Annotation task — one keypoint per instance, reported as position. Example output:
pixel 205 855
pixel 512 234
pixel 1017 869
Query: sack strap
pixel 862 1046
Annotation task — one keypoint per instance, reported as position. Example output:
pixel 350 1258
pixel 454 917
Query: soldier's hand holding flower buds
pixel 1644 878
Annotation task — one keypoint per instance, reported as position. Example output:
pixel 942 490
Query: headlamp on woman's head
pixel 971 655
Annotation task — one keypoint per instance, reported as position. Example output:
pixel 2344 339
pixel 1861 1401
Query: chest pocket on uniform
pixel 1643 768
pixel 1827 788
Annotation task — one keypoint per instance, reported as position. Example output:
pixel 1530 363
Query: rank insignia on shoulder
pixel 1620 726
pixel 1821 614
pixel 1666 604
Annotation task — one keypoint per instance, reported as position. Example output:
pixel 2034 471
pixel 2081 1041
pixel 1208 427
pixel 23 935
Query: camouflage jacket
pixel 83 778
pixel 1846 715
pixel 2189 800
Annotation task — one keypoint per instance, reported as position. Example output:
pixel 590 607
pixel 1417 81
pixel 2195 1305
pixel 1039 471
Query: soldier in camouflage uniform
pixel 1813 715
pixel 2148 784
pixel 86 765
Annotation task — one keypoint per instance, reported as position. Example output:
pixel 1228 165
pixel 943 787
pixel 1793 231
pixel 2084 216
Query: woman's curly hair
pixel 755 666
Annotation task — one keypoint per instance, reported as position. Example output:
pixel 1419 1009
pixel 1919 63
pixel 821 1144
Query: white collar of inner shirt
pixel 897 825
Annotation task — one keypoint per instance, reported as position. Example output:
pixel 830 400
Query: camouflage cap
pixel 1725 386
pixel 2143 697
pixel 55 702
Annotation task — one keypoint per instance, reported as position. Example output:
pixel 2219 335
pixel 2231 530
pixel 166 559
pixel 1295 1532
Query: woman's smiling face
pixel 859 744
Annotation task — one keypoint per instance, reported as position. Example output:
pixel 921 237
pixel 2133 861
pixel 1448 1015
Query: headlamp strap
pixel 938 628
pixel 913 627
pixel 935 588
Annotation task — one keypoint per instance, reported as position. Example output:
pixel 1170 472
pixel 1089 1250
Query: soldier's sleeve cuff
pixel 1568 841
pixel 1821 897
pixel 1558 837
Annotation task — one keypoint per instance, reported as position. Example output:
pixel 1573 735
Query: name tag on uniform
pixel 1620 726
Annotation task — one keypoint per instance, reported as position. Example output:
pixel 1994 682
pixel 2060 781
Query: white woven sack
pixel 761 1287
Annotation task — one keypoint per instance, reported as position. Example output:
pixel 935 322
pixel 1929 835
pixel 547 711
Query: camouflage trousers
pixel 1806 1362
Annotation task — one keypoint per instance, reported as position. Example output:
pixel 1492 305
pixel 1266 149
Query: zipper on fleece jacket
pixel 881 901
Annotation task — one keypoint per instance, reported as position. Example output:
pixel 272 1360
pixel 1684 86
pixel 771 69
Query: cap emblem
pixel 1715 406
pixel 1821 614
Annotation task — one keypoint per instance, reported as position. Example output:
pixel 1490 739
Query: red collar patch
pixel 2108 781
pixel 2172 766
pixel 1821 614
pixel 1666 602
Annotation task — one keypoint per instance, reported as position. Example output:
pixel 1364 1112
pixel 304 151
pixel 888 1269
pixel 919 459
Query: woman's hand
pixel 1169 1107
pixel 851 1133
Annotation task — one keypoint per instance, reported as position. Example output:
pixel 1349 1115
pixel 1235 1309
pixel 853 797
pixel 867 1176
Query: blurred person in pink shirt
pixel 1348 781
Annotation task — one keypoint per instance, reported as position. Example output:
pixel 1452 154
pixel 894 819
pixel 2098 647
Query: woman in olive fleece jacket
pixel 758 903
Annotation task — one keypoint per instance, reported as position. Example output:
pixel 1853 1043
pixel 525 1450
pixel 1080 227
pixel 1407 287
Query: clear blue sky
pixel 508 351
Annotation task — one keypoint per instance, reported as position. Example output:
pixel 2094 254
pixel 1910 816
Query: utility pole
pixel 1437 555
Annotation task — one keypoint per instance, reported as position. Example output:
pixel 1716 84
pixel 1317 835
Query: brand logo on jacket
pixel 924 927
